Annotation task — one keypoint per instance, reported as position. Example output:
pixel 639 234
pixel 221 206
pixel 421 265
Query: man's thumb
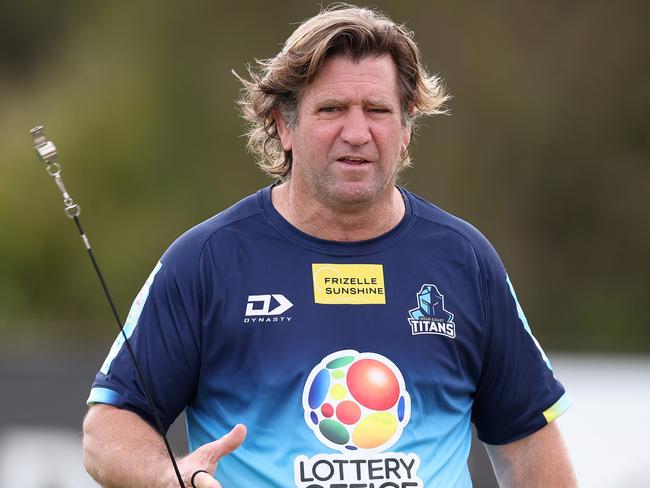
pixel 228 443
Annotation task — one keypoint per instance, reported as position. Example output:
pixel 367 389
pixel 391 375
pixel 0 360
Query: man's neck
pixel 338 223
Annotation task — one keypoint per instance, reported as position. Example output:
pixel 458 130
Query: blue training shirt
pixel 353 364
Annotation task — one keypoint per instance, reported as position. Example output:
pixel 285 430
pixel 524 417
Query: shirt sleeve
pixel 517 393
pixel 163 327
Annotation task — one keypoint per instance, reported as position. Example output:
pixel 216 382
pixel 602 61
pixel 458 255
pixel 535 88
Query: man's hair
pixel 277 84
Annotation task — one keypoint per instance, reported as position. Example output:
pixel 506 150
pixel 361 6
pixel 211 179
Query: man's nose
pixel 355 130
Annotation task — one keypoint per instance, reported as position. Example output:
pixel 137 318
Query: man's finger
pixel 228 443
pixel 204 480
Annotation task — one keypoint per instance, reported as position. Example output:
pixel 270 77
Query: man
pixel 355 329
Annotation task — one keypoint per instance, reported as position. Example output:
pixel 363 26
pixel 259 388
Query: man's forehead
pixel 373 78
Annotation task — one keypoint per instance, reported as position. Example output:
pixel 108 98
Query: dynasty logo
pixel 431 316
pixel 357 404
pixel 267 309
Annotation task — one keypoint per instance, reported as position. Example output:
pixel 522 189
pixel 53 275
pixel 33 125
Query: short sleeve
pixel 163 327
pixel 517 393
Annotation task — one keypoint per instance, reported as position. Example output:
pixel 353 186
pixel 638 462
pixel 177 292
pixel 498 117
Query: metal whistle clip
pixel 45 149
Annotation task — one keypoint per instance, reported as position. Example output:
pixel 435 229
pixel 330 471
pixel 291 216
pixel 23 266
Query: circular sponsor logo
pixel 356 402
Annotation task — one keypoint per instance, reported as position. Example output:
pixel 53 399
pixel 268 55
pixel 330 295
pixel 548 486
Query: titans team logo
pixel 356 404
pixel 431 316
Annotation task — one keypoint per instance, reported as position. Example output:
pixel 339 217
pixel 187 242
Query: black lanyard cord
pixel 47 153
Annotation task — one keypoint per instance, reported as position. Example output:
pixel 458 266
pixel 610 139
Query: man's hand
pixel 206 458
pixel 121 449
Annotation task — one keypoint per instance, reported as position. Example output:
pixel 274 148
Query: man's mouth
pixel 355 160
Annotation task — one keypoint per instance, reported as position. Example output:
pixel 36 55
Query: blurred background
pixel 546 150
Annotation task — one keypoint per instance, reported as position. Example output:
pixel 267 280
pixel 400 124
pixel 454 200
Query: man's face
pixel 349 135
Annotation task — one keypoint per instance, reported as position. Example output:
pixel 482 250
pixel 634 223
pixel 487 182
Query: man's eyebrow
pixel 331 101
pixel 343 101
pixel 378 101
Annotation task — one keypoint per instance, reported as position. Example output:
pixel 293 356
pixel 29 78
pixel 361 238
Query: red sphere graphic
pixel 373 384
pixel 348 412
pixel 327 410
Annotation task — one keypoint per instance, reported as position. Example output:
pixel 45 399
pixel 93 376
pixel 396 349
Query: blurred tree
pixel 545 150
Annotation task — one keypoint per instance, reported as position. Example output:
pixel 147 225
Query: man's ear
pixel 407 129
pixel 406 136
pixel 283 130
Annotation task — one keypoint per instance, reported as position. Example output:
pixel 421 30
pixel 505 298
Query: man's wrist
pixel 162 473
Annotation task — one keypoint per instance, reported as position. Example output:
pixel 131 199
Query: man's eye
pixel 379 110
pixel 328 109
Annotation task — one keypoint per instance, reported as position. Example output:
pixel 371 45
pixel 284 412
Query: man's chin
pixel 355 194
